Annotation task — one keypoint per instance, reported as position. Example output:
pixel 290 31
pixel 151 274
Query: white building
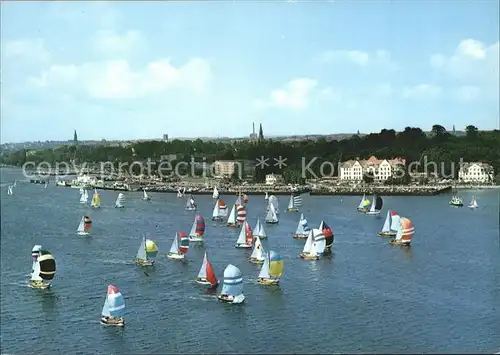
pixel 475 172
pixel 380 169
pixel 274 179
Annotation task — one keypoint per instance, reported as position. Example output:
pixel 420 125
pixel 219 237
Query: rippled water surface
pixel 440 295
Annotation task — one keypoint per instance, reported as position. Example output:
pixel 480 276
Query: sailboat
pixel 96 200
pixel 245 238
pixel 146 253
pixel 84 226
pixel 258 254
pixel 84 196
pixel 114 308
pixel 190 204
pixel 271 216
pixel 390 225
pixel 177 250
pixel 45 185
pixel 302 230
pixel 197 230
pixel 44 270
pixel 266 197
pixel 473 203
pixel 220 211
pixel 231 220
pixel 456 200
pixel 232 288
pixel 315 245
pixel 206 276
pixel 35 253
pixel 259 230
pixel 273 200
pixel 294 203
pixel 145 196
pixel 181 192
pixel 10 190
pixel 363 204
pixel 15 183
pixel 405 233
pixel 215 194
pixel 272 270
pixel 328 234
pixel 241 214
pixel 120 200
pixel 376 206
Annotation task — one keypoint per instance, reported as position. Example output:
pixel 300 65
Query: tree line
pixel 412 144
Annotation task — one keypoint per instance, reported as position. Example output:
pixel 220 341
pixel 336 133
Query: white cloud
pixel 383 90
pixel 295 95
pixel 473 61
pixel 357 57
pixel 108 42
pixel 25 49
pixel 423 91
pixel 467 93
pixel 117 80
pixel 330 94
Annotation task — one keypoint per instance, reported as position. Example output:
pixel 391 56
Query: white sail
pixel 273 200
pixel 258 250
pixel 308 245
pixel 215 194
pixel 242 237
pixel 362 202
pixel 256 229
pixel 232 216
pixel 399 233
pixel 10 190
pixel 145 195
pixel 81 226
pixel 266 197
pixel 319 242
pixel 174 249
pixel 395 222
pixel 387 224
pixel 203 269
pixel 141 253
pixel 271 215
pixel 215 212
pixel 35 275
pixel 262 232
pixel 82 197
pixel 120 200
pixel 473 203
pixel 81 190
pixel 302 227
pixel 105 308
pixel 290 202
pixel 372 207
pixel 264 271
pixel 192 233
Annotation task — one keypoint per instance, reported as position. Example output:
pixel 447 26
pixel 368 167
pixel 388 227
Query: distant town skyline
pixel 125 71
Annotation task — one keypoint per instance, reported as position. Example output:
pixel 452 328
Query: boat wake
pixel 119 262
pixel 206 298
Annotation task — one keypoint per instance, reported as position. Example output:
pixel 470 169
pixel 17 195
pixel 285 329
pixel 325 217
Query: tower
pixel 75 138
pixel 261 133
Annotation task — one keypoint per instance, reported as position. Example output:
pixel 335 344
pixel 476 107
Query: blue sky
pixel 125 70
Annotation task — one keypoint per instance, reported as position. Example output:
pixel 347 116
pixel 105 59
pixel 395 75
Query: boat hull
pixel 300 236
pixel 144 262
pixel 403 244
pixel 243 246
pixel 40 285
pixel 307 256
pixel 173 256
pixel 372 213
pixel 117 322
pixel 293 210
pixel 387 234
pixel 457 204
pixel 190 209
pixel 217 219
pixel 364 210
pixel 204 282
pixel 82 233
pixel 119 206
pixel 261 237
pixel 256 261
pixel 473 207
pixel 272 222
pixel 196 239
pixel 263 281
pixel 230 299
pixel 146 199
pixel 233 225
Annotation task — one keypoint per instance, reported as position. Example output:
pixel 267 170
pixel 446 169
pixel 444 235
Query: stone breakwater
pixel 384 191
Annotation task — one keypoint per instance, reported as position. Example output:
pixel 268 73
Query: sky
pixel 138 70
